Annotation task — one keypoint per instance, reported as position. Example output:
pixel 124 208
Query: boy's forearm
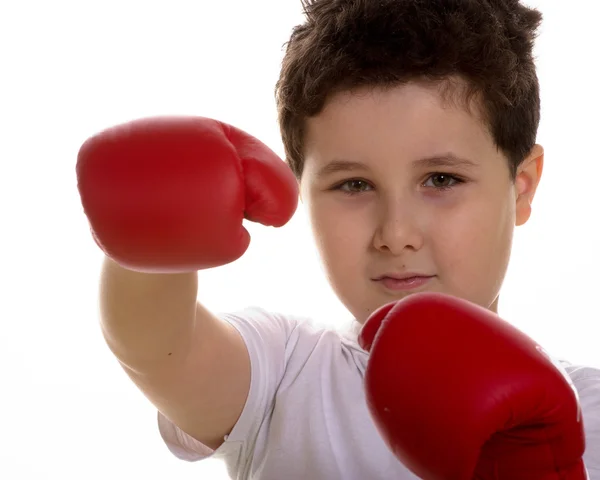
pixel 147 319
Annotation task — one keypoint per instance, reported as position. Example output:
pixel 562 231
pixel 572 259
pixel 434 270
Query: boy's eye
pixel 353 186
pixel 442 181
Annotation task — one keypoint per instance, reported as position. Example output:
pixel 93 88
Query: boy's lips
pixel 403 282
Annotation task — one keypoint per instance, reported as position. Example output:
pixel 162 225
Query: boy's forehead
pixel 405 115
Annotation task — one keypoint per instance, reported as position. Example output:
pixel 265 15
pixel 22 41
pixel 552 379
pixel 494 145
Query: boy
pixel 410 127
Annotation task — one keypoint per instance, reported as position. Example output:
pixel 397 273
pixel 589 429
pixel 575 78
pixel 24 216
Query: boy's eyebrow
pixel 435 161
pixel 340 166
pixel 446 160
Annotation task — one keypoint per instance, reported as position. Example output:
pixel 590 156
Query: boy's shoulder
pixel 586 380
pixel 288 324
pixel 579 371
pixel 299 344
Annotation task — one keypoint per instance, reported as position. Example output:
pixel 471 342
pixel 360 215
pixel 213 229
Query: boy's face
pixel 386 200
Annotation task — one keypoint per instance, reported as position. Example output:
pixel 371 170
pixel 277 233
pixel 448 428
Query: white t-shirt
pixel 306 416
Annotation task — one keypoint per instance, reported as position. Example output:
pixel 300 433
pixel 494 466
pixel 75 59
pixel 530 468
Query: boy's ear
pixel 526 183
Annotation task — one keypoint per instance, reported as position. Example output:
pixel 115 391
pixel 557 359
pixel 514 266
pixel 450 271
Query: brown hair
pixel 349 44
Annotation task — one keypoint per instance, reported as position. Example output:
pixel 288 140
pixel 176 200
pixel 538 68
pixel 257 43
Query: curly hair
pixel 348 44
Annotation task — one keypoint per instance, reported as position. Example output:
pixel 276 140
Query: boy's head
pixel 411 126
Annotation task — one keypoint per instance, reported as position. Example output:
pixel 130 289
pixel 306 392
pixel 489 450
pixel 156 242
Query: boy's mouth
pixel 408 281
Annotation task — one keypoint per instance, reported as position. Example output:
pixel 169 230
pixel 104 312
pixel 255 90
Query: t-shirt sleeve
pixel 266 336
pixel 587 383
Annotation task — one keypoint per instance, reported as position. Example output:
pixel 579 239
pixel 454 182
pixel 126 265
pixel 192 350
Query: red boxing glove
pixel 168 195
pixel 459 394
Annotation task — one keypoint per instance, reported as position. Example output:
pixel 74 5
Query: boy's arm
pixel 166 197
pixel 192 366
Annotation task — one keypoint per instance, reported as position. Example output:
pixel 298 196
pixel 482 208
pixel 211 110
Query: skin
pixel 389 211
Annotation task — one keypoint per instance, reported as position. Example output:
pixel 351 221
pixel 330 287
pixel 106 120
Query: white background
pixel 69 69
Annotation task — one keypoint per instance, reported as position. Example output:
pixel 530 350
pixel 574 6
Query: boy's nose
pixel 398 229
